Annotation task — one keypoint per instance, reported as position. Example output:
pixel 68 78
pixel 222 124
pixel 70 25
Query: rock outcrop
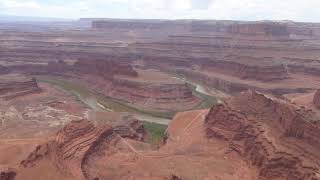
pixel 13 85
pixel 265 29
pixel 277 138
pixel 99 74
pixel 316 99
pixel 130 128
pixel 234 27
pixel 7 175
pixel 159 96
pixel 77 141
pixel 233 65
pixel 312 69
pixel 103 68
pixel 243 71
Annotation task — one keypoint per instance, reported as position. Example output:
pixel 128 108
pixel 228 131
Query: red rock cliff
pixel 280 140
pixel 12 86
pixel 103 68
pixel 77 142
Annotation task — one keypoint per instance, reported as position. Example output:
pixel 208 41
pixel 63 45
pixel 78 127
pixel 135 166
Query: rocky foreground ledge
pixel 280 140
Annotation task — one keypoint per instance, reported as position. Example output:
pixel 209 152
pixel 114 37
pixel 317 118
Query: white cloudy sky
pixel 298 10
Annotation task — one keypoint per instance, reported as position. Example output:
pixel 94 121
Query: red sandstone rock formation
pixel 316 99
pixel 158 96
pixel 263 28
pixel 104 68
pixel 276 139
pixel 98 74
pixel 279 139
pixel 77 141
pixel 130 128
pixel 12 86
pixel 246 28
pixel 312 69
pixel 259 72
pixel 255 69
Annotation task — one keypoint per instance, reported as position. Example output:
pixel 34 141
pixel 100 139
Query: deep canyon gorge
pixel 123 99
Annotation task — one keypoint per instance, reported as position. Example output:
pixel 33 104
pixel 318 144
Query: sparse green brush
pixel 156 133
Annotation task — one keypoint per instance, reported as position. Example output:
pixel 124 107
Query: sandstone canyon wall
pixel 13 85
pixel 280 140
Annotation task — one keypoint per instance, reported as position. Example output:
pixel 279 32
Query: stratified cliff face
pixel 233 27
pixel 100 74
pixel 95 66
pixel 316 99
pixel 13 85
pixel 279 139
pixel 104 68
pixel 233 66
pixel 266 29
pixel 312 69
pixel 261 73
pixel 77 142
pixel 159 96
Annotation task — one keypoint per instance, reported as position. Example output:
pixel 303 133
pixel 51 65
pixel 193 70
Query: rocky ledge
pixel 279 139
pixel 77 142
pixel 14 85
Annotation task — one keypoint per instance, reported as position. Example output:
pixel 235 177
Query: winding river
pixel 97 102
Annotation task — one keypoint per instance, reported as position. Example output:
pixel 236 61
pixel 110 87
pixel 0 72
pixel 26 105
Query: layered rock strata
pixel 99 74
pixel 12 86
pixel 103 68
pixel 277 138
pixel 76 142
pixel 260 73
pixel 250 136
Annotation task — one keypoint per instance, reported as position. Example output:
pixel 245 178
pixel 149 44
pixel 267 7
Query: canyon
pixel 270 139
pixel 159 99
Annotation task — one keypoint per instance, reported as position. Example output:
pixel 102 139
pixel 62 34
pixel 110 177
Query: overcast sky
pixel 297 10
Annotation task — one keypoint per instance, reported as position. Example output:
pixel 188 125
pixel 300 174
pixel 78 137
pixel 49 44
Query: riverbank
pixel 99 102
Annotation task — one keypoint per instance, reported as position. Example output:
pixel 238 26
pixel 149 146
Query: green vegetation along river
pixel 99 102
